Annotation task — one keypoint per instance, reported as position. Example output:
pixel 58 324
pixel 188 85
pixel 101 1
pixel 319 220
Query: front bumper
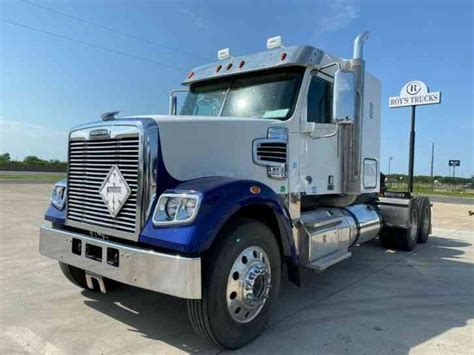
pixel 170 274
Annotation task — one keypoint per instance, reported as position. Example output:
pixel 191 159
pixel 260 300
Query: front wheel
pixel 241 281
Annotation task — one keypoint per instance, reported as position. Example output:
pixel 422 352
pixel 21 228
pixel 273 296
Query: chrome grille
pixel 90 160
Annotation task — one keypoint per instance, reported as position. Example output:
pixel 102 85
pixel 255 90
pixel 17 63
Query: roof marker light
pixel 190 75
pixel 241 64
pixel 283 56
pixel 219 67
pixel 274 42
pixel 229 66
pixel 223 54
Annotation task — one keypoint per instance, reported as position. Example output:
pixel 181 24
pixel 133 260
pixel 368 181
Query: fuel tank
pixel 331 233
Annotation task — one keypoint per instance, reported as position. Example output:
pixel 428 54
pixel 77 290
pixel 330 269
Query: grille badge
pixel 114 191
pixel 99 133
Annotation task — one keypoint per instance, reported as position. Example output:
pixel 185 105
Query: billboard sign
pixel 415 93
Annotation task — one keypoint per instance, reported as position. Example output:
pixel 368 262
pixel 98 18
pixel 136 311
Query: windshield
pixel 270 94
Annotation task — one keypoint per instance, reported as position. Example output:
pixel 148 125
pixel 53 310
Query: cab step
pixel 324 263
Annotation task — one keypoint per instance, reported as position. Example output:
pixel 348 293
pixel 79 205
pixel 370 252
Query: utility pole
pixel 389 161
pixel 432 163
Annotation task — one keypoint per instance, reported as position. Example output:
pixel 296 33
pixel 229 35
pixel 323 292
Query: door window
pixel 319 108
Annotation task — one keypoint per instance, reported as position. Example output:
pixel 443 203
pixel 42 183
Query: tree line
pixel 31 163
pixel 427 179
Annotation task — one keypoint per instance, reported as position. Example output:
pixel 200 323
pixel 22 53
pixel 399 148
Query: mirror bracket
pixel 173 101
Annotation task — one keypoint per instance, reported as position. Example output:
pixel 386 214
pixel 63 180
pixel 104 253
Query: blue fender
pixel 222 198
pixel 54 215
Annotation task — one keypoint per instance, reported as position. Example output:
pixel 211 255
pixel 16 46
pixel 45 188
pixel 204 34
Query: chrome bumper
pixel 170 274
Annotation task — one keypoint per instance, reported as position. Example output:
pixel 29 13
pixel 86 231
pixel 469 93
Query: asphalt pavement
pixel 377 302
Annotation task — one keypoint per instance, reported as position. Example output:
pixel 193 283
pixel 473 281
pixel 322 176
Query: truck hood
pixel 199 146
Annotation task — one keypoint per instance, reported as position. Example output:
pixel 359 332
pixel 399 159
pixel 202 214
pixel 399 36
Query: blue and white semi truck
pixel 272 164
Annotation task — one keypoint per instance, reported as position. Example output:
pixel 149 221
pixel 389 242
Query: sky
pixel 63 63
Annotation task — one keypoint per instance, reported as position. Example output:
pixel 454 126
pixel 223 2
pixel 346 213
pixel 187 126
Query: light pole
pixel 388 175
pixel 389 161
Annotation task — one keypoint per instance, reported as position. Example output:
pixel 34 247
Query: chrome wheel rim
pixel 248 284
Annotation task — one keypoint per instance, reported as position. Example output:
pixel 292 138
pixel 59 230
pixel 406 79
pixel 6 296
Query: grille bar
pixel 90 161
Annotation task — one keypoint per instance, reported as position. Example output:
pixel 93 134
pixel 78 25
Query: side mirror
pixel 344 98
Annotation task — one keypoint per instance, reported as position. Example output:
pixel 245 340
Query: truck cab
pixel 273 159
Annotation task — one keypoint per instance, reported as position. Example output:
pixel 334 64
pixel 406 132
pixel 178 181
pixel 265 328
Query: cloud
pixel 341 13
pixel 196 20
pixel 22 138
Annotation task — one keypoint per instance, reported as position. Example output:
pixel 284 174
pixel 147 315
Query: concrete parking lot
pixel 377 302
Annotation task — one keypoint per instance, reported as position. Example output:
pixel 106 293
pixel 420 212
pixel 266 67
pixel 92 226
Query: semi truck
pixel 271 165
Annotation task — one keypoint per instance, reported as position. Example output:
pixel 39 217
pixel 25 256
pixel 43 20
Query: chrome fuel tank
pixel 331 232
pixel 368 221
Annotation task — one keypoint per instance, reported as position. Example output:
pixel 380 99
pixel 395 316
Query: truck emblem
pixel 101 132
pixel 114 191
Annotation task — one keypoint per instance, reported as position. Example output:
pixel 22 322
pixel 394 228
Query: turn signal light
pixel 255 189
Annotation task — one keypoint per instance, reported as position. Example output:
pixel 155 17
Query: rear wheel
pixel 241 281
pixel 401 238
pixel 423 206
pixel 406 238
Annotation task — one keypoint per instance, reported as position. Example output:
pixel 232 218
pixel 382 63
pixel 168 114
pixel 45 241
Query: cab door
pixel 320 168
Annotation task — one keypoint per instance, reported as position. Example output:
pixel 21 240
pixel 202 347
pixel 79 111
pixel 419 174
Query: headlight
pixel 58 195
pixel 171 207
pixel 176 208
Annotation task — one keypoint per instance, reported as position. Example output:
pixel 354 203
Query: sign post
pixel 413 93
pixel 454 164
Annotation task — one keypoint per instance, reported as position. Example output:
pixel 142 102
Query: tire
pixel 423 206
pixel 247 246
pixel 406 238
pixel 78 277
pixel 401 238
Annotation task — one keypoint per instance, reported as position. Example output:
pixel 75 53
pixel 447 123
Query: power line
pixel 92 45
pixel 125 34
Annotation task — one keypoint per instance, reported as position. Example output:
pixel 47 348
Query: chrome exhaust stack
pixel 352 135
pixel 359 45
